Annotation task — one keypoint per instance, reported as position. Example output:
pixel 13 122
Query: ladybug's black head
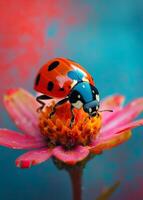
pixel 91 108
pixel 86 96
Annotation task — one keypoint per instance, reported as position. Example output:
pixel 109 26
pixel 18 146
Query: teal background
pixel 109 44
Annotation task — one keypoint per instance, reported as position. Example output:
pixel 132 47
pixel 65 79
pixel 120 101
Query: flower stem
pixel 76 181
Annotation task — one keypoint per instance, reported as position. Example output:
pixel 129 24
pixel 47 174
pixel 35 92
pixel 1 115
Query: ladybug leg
pixel 58 104
pixel 97 114
pixel 72 117
pixel 39 99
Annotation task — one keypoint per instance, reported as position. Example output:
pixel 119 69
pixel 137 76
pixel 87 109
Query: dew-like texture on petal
pixel 124 116
pixel 21 107
pixel 34 157
pixel 72 156
pixel 114 103
pixel 108 143
pixel 15 140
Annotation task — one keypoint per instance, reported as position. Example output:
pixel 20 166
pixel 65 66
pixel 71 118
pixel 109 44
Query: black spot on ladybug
pixel 62 89
pixel 53 65
pixel 37 79
pixel 50 85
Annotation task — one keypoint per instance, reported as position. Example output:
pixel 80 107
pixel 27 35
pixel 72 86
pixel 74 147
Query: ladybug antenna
pixel 105 111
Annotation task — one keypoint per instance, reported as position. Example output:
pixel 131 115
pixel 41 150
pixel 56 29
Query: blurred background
pixel 106 37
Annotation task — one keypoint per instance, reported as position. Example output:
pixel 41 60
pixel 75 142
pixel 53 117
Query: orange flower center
pixel 57 129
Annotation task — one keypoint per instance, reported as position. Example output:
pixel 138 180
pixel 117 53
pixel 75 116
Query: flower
pixel 53 137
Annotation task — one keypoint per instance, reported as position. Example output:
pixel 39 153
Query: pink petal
pixel 15 140
pixel 125 115
pixel 71 157
pixel 34 157
pixel 109 143
pixel 22 106
pixel 111 133
pixel 115 137
pixel 108 116
pixel 112 102
pixel 122 128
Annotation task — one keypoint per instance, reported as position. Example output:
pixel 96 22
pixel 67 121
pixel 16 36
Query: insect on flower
pixel 46 134
pixel 66 80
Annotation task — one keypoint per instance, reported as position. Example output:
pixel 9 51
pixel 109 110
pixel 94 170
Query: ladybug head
pixel 91 108
pixel 85 95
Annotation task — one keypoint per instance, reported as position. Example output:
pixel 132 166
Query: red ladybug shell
pixel 53 80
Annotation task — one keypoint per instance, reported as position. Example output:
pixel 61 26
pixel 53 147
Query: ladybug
pixel 66 80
